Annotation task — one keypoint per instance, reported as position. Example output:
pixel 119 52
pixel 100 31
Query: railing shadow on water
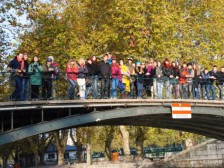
pixel 61 86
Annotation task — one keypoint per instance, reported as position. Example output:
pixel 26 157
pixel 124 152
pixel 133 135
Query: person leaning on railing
pixel 35 72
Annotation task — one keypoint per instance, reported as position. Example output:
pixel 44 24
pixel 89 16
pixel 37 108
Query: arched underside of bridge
pixel 205 121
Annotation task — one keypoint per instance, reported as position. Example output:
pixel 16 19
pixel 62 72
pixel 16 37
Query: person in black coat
pixel 220 83
pixel 17 68
pixel 105 74
pixel 89 77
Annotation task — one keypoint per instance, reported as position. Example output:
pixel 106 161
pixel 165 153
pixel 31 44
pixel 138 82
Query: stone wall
pixel 209 154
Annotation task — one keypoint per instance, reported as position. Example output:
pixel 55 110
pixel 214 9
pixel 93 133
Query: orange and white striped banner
pixel 181 110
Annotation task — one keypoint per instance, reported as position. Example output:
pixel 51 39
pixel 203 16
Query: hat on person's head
pixel 49 59
pixel 130 59
pixel 114 57
pixel 137 63
pixel 189 64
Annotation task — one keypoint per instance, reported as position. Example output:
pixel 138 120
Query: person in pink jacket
pixel 116 77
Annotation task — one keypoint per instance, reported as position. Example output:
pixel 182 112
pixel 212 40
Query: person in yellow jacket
pixel 125 78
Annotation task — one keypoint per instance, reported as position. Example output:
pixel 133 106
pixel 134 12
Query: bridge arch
pixel 206 120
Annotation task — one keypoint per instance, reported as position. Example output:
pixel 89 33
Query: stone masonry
pixel 209 154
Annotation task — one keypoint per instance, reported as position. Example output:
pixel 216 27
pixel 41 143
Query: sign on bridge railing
pixel 181 110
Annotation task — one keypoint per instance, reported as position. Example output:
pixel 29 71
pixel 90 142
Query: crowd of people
pixel 107 77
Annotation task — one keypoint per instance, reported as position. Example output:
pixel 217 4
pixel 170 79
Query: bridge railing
pixel 60 88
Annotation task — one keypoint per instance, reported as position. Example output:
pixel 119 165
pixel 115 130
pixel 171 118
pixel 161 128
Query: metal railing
pixel 141 88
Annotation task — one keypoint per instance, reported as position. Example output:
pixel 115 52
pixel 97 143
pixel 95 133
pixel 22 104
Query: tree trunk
pixel 88 153
pixel 61 156
pixel 108 142
pixel 76 139
pixel 36 158
pixel 79 153
pixel 61 138
pixel 4 160
pixel 139 143
pixel 125 143
pixel 188 143
pixel 42 158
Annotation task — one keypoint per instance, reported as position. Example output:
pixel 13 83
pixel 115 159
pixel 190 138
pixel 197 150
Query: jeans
pixel 154 94
pixel 132 87
pixel 17 94
pixel 221 91
pixel 26 89
pixel 176 88
pixel 212 89
pixel 196 92
pixel 105 87
pixel 189 89
pixel 71 90
pixel 114 83
pixel 95 86
pixel 183 90
pixel 159 89
pixel 207 89
pixel 168 87
pixel 82 87
pixel 140 89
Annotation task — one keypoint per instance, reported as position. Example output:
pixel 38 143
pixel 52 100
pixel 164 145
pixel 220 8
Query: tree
pixel 125 142
pixel 61 138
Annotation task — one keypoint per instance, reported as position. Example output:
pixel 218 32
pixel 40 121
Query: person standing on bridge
pixel 16 66
pixel 81 80
pixel 220 82
pixel 48 71
pixel 190 76
pixel 131 69
pixel 95 77
pixel 115 77
pixel 167 76
pixel 35 72
pixel 159 82
pixel 26 79
pixel 72 70
pixel 105 74
pixel 213 75
pixel 206 82
pixel 139 69
pixel 183 81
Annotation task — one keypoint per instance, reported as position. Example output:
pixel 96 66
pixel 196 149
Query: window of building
pixel 51 156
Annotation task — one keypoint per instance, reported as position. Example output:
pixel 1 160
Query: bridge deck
pixel 27 105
